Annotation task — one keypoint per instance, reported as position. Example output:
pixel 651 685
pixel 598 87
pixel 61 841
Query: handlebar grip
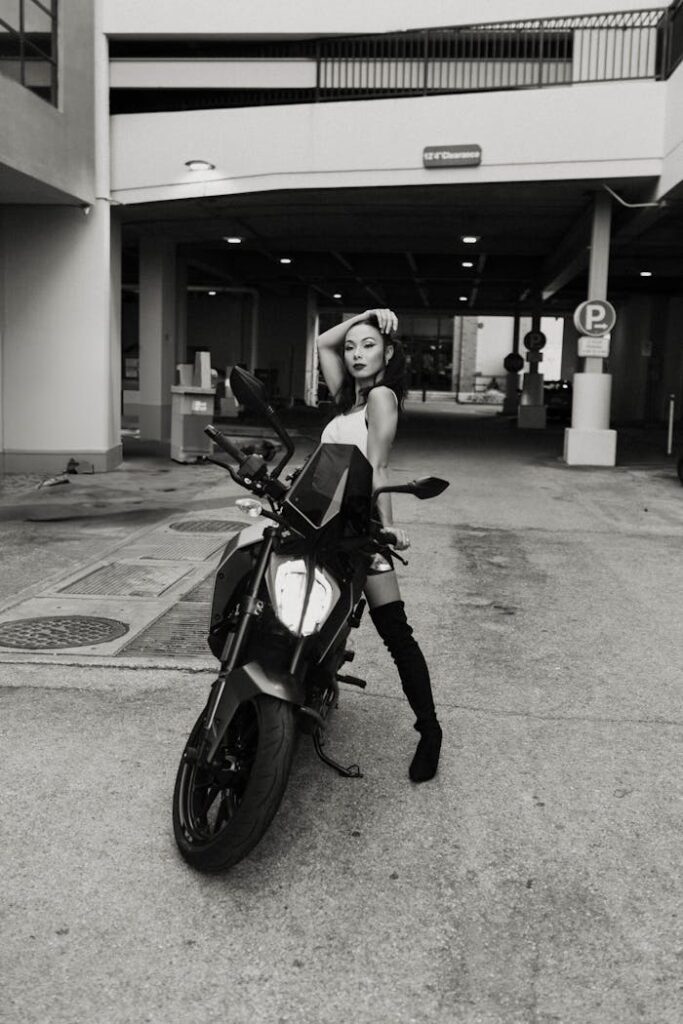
pixel 225 443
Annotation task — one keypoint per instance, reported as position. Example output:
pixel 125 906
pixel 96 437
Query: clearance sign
pixel 451 156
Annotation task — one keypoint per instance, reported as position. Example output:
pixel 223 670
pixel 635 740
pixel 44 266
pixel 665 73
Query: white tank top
pixel 349 428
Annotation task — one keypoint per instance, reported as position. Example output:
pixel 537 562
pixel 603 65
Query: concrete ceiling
pixel 402 246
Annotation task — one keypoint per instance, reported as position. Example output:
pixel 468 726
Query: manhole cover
pixel 208 526
pixel 55 631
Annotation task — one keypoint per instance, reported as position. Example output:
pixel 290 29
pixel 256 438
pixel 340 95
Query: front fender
pixel 242 684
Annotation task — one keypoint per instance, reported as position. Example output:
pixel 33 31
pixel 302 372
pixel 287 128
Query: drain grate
pixel 174 548
pixel 179 632
pixel 59 631
pixel 119 579
pixel 201 592
pixel 208 526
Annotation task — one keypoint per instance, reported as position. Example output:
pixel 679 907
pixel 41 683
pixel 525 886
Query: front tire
pixel 220 812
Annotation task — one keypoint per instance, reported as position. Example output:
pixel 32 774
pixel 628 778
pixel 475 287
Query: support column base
pixel 590 447
pixel 531 417
pixel 56 462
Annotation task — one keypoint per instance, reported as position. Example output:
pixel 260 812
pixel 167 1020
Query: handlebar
pixel 225 443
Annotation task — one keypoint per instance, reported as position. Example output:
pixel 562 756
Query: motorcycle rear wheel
pixel 220 814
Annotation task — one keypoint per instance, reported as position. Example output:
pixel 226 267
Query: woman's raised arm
pixel 330 344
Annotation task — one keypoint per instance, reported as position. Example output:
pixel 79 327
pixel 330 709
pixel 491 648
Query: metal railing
pixel 505 55
pixel 28 45
pixel 673 37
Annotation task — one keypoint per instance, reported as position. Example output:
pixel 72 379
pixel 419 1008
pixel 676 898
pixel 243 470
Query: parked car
pixel 558 399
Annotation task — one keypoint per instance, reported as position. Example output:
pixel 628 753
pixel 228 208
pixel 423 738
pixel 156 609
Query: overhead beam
pixel 359 280
pixel 569 259
pixel 417 281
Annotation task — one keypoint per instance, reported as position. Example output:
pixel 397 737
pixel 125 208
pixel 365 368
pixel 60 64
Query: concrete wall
pixel 628 362
pixel 285 325
pixel 672 168
pixel 57 145
pixel 329 17
pixel 220 324
pixel 60 328
pixel 579 131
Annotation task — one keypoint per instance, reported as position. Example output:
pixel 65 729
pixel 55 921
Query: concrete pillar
pixel 61 342
pixel 181 311
pixel 312 370
pixel 157 337
pixel 465 353
pixel 60 304
pixel 585 443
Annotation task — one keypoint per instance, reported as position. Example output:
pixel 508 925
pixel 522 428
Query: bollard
pixel 670 434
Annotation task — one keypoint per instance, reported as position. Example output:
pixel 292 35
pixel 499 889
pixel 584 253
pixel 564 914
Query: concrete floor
pixel 535 880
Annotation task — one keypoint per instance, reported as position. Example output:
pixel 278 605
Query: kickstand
pixel 352 772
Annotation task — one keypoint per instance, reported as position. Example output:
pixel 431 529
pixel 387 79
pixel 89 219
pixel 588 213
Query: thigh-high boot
pixel 392 625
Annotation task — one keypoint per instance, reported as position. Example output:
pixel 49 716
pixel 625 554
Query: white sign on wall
pixel 589 346
pixel 451 156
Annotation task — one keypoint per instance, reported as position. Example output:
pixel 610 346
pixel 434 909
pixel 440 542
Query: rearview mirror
pixel 427 487
pixel 249 390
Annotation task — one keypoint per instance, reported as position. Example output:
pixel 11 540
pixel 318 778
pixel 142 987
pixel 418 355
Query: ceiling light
pixel 232 239
pixel 467 263
pixel 646 273
pixel 285 259
pixel 463 298
pixel 199 165
pixel 469 239
pixel 337 295
pixel 212 293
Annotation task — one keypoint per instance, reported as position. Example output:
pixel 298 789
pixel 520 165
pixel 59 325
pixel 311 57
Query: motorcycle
pixel 288 592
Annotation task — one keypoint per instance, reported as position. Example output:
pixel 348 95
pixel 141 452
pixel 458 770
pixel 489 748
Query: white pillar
pixel 312 369
pixel 61 356
pixel 589 441
pixel 181 311
pixel 157 337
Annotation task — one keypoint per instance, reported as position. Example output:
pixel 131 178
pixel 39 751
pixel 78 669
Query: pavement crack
pixel 537 716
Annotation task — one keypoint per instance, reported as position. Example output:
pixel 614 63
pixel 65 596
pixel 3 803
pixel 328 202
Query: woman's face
pixel 364 352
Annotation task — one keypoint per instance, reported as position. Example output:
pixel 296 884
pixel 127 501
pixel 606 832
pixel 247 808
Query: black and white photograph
pixel 341 512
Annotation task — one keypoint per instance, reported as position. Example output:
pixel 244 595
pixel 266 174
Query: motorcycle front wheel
pixel 221 811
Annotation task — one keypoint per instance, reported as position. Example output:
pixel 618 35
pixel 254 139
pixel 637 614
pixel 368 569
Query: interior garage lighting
pixel 232 239
pixel 463 298
pixel 285 259
pixel 212 293
pixel 199 165
pixel 467 263
pixel 469 239
pixel 646 273
pixel 337 295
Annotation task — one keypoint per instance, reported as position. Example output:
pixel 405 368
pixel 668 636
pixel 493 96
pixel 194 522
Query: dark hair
pixel 394 376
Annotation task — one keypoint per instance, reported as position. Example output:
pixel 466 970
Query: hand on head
pixel 387 320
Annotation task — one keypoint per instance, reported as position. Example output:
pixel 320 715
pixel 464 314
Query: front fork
pixel 250 608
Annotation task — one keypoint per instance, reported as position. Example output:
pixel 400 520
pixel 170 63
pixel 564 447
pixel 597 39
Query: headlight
pixel 287 582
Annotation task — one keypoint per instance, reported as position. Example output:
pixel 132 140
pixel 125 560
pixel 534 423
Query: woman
pixel 364 371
